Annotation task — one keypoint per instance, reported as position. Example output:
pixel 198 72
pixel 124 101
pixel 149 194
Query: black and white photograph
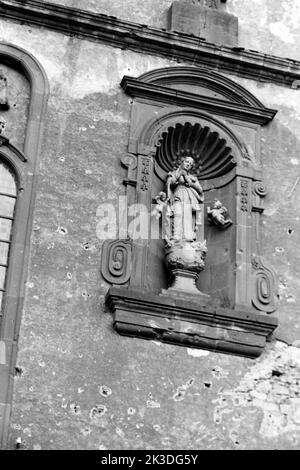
pixel 149 229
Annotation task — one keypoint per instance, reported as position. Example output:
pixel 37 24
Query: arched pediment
pixel 201 80
pixel 198 88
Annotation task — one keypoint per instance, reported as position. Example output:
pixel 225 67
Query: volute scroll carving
pixel 116 262
pixel 264 286
pixel 260 189
pixel 129 161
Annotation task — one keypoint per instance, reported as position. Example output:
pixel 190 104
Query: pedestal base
pixel 173 320
pixel 184 286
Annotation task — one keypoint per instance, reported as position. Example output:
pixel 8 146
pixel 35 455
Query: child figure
pixel 218 215
pixel 161 202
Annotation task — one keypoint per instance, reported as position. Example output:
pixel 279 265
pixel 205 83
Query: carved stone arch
pixel 24 163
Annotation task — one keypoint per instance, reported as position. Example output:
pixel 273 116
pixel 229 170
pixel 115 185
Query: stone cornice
pixel 183 322
pixel 171 45
pixel 137 88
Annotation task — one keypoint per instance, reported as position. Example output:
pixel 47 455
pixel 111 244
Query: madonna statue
pixel 185 195
pixel 185 249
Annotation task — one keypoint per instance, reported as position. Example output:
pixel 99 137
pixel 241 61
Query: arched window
pixel 8 196
pixel 18 175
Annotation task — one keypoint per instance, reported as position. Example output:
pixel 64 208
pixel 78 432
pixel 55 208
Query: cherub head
pixel 217 204
pixel 162 196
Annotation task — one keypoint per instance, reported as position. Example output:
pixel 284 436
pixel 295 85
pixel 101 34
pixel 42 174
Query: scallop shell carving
pixel 213 157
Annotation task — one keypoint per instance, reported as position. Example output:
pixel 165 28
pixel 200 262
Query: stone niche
pixel 198 280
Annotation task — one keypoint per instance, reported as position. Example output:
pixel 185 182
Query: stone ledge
pixel 146 315
pixel 137 37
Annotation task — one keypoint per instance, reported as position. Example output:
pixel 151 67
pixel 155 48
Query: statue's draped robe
pixel 185 205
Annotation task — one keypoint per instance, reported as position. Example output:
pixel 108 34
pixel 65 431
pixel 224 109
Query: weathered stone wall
pixel 80 385
pixel 270 26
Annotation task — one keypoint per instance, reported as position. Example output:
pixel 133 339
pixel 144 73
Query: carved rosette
pixel 145 172
pixel 116 263
pixel 244 194
pixel 264 286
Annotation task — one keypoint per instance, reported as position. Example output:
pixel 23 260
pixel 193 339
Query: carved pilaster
pixel 263 278
pixel 141 219
pixel 243 244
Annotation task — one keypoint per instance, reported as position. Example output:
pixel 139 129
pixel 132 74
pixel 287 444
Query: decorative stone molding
pixel 201 287
pixel 116 262
pixel 254 112
pixel 176 321
pixel 244 195
pixel 201 77
pixel 264 286
pixel 137 37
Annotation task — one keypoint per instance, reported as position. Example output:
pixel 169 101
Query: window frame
pixel 7 163
pixel 16 160
pixel 25 165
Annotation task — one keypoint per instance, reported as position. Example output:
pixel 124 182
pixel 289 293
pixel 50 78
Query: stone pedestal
pixel 210 24
pixel 184 286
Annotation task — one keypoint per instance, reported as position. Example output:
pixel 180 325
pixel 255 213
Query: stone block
pixel 212 25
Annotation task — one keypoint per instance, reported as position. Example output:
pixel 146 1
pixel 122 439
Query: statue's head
pixel 188 163
pixel 162 196
pixel 217 204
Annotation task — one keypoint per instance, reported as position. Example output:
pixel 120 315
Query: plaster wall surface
pixel 270 26
pixel 79 385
